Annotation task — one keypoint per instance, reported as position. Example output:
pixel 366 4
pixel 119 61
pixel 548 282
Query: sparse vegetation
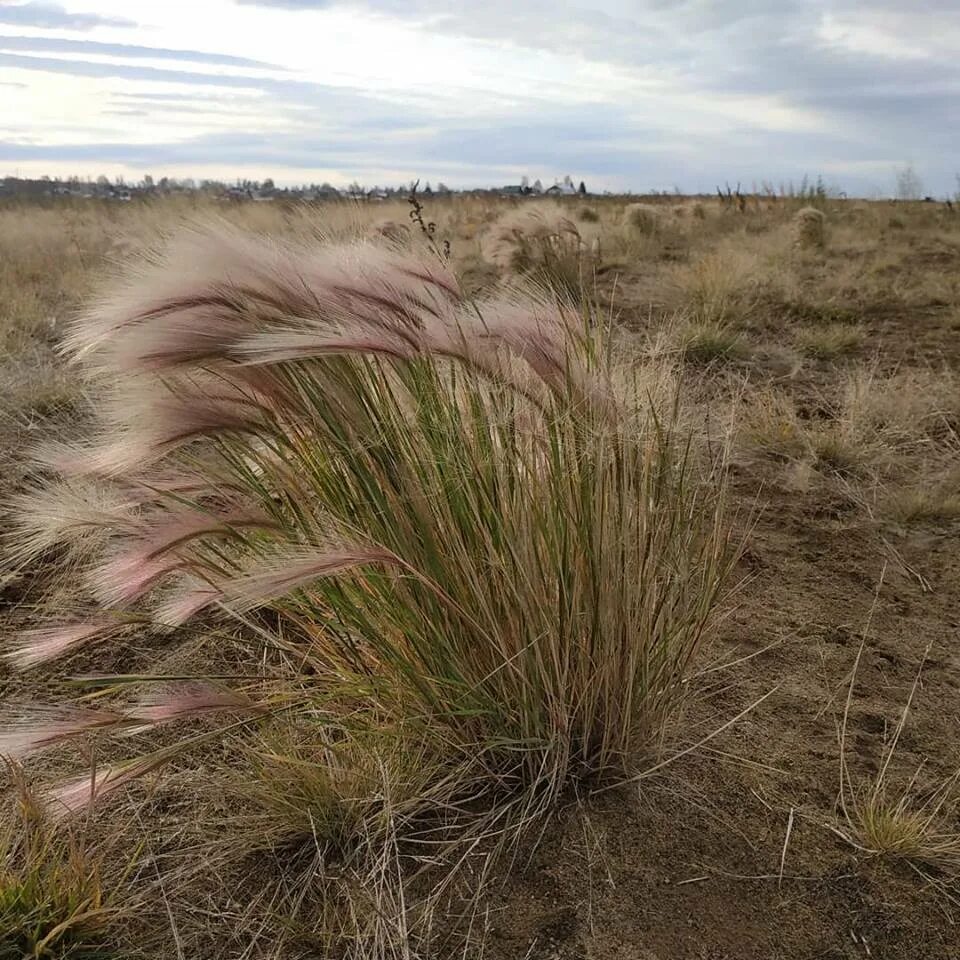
pixel 833 340
pixel 909 821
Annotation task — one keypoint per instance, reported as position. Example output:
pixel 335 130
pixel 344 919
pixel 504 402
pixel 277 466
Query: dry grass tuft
pixel 542 244
pixel 717 288
pixel 829 342
pixel 809 229
pixel 53 899
pixel 641 220
pixel 928 501
pixel 910 821
pixel 392 231
pixel 706 341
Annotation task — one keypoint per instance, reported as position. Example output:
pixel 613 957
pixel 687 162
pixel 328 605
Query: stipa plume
pixel 443 512
pixel 544 244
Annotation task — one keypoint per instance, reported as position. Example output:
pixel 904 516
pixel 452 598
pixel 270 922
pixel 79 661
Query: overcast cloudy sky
pixel 626 94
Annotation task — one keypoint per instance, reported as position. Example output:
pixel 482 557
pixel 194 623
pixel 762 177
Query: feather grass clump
pixel 542 244
pixel 443 514
pixel 393 231
pixel 810 229
pixel 641 220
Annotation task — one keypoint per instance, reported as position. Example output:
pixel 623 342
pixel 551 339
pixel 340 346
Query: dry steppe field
pixel 620 623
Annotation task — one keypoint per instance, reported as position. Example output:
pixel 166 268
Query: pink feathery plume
pixel 210 288
pixel 285 572
pixel 167 423
pixel 171 283
pixel 150 557
pixel 81 792
pixel 126 578
pixel 285 345
pixel 65 514
pixel 158 486
pixel 185 604
pixel 538 333
pixel 193 331
pixel 193 701
pixel 45 643
pixel 41 728
pixel 176 528
pixel 545 334
pixel 68 459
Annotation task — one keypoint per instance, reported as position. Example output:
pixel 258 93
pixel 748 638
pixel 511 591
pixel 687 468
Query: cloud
pixel 289 4
pixel 579 143
pixel 56 45
pixel 629 93
pixel 364 112
pixel 51 16
pixel 122 71
pixel 172 98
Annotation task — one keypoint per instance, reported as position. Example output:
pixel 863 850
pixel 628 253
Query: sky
pixel 624 94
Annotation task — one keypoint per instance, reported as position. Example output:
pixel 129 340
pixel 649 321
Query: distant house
pixel 238 193
pixel 561 190
pixel 324 192
pixel 514 191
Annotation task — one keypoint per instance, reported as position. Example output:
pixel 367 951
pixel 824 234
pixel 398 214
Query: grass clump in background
pixel 641 220
pixel 810 229
pixel 543 245
pixel 826 343
pixel 704 342
pixel 54 904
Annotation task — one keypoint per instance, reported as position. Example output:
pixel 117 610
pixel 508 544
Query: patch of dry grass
pixel 720 287
pixel 874 425
pixel 829 342
pixel 904 819
pixel 706 341
pixel 55 900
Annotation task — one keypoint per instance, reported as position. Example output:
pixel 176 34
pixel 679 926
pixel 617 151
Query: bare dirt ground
pixel 737 850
